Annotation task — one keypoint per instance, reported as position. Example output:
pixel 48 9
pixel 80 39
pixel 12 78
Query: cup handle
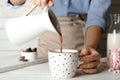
pixel 79 62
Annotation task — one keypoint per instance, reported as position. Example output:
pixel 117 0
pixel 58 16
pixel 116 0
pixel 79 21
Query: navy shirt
pixel 95 10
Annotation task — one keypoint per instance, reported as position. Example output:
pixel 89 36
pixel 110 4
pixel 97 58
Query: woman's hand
pixel 42 3
pixel 91 59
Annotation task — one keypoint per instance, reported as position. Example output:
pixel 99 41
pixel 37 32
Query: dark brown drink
pixel 61 40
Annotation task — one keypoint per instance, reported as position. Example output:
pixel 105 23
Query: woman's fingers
pixel 89 65
pixel 42 3
pixel 91 59
pixel 88 55
pixel 93 70
pixel 50 3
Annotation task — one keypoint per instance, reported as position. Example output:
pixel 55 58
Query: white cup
pixel 63 65
pixel 30 56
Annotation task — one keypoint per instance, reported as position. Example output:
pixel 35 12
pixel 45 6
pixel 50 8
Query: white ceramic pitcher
pixel 23 29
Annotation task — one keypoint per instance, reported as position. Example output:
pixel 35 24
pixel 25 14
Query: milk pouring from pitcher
pixel 23 29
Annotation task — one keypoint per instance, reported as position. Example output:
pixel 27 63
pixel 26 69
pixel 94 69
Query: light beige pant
pixel 73 37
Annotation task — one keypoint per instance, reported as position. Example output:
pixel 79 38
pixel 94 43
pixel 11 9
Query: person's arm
pixel 94 28
pixel 16 2
pixel 93 36
pixel 96 21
